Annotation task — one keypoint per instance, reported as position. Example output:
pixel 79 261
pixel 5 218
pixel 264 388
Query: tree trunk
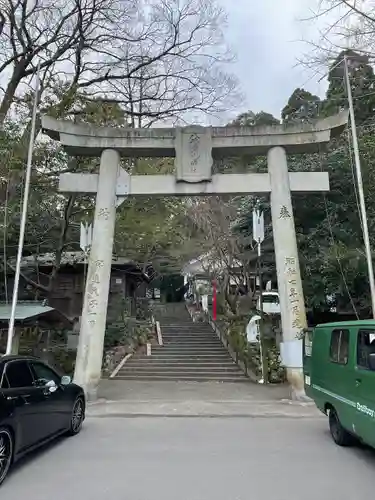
pixel 61 243
pixel 10 91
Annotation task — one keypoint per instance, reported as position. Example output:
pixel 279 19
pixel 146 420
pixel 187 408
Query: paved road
pixel 195 459
pixel 161 391
pixel 136 398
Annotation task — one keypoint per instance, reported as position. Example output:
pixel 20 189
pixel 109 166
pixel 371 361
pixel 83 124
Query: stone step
pixel 188 326
pixel 176 335
pixel 186 331
pixel 209 334
pixel 182 335
pixel 177 316
pixel 167 351
pixel 178 357
pixel 181 362
pixel 192 348
pixel 198 342
pixel 182 323
pixel 176 362
pixel 192 345
pixel 176 320
pixel 188 347
pixel 182 377
pixel 172 369
pixel 177 353
pixel 189 333
pixel 189 353
pixel 205 338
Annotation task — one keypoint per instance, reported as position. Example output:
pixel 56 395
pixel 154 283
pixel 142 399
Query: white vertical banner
pixel 85 237
pixel 258 225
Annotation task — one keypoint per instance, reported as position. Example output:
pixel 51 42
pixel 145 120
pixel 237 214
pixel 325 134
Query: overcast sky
pixel 267 37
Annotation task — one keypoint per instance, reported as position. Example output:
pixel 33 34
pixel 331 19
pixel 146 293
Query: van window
pixel 339 349
pixel 365 346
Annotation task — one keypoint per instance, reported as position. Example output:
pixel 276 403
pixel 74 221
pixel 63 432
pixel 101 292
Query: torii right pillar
pixel 292 304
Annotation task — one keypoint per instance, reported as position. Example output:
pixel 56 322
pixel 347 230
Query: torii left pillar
pixel 90 346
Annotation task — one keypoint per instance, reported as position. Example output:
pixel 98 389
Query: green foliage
pixel 362 82
pixel 126 333
pixel 250 119
pixel 148 230
pixel 249 354
pixel 328 225
pixel 64 361
pixel 158 230
pixel 302 107
pixel 155 229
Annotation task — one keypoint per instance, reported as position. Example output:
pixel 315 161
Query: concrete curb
pixel 206 409
pixel 120 365
pixel 158 332
pixel 207 415
pixel 103 401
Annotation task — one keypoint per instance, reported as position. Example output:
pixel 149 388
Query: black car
pixel 36 405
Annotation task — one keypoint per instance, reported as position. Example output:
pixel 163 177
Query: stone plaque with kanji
pixel 193 161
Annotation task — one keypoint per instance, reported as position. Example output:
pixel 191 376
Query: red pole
pixel 214 300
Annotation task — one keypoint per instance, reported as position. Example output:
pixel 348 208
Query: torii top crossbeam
pixel 91 140
pixel 193 147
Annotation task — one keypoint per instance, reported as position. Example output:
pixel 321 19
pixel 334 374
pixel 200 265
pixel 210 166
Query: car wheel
pixel 340 436
pixel 78 416
pixel 6 452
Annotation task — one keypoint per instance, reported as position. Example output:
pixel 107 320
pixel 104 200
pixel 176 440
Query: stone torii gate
pixel 194 149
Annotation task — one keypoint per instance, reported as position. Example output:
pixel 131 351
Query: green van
pixel 339 371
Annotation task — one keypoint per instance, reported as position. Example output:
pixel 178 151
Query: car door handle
pixel 12 398
pixel 358 382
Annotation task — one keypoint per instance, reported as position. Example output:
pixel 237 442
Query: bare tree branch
pixel 349 24
pixel 171 51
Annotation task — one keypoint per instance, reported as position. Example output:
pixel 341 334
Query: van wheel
pixel 340 436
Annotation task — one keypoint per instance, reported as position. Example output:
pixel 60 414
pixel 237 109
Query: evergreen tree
pixel 362 82
pixel 328 225
pixel 302 107
pixel 251 119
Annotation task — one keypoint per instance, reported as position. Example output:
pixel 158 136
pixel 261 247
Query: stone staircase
pixel 191 351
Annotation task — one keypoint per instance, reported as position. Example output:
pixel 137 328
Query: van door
pixel 337 375
pixel 365 385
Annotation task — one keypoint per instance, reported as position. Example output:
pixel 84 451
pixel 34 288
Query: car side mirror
pixel 51 386
pixel 371 361
pixel 66 380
